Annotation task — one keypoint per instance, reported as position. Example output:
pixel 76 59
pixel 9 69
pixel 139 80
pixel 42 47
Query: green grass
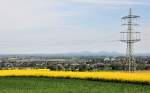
pixel 51 85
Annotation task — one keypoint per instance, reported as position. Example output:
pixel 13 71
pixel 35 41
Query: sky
pixel 62 26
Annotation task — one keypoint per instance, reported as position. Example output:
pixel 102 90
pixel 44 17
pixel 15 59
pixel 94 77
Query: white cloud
pixel 44 25
pixel 109 2
pixel 20 14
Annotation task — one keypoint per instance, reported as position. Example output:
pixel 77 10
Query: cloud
pixel 29 13
pixel 58 25
pixel 22 14
pixel 108 2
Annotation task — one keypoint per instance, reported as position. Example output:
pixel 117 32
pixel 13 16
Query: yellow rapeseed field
pixel 139 76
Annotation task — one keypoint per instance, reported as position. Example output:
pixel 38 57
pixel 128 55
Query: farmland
pixel 47 81
pixel 53 85
pixel 119 76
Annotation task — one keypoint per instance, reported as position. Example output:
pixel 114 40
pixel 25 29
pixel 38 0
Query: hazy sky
pixel 57 26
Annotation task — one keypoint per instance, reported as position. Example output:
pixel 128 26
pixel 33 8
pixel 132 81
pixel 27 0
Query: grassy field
pixel 51 85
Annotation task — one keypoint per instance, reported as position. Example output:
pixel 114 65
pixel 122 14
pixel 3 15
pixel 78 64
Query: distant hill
pixel 87 53
pixel 83 53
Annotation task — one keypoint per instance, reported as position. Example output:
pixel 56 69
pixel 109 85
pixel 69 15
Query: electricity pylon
pixel 130 37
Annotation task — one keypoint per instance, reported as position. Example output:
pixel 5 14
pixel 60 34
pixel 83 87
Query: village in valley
pixel 70 63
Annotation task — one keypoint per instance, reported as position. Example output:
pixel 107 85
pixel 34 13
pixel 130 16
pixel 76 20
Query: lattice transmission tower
pixel 130 37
